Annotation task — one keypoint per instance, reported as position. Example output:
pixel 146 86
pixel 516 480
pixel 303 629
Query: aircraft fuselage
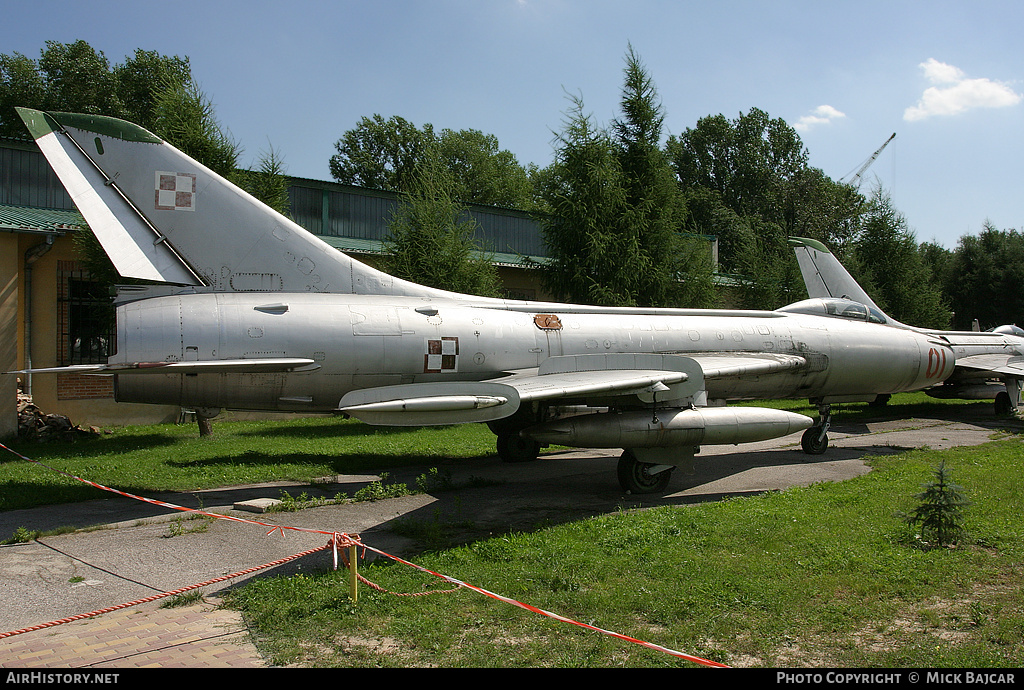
pixel 367 341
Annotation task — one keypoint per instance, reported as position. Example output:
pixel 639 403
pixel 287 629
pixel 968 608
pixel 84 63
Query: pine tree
pixel 889 264
pixel 940 513
pixel 614 214
pixel 431 237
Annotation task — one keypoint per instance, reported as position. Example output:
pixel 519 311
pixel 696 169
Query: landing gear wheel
pixel 814 441
pixel 1003 406
pixel 515 448
pixel 635 477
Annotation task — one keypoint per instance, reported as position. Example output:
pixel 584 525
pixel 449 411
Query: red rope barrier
pixel 174 592
pixel 273 528
pixel 340 539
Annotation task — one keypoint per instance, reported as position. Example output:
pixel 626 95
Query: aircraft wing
pixel 577 384
pixel 992 365
pixel 650 377
pixel 221 366
pixel 731 364
pixel 575 376
pixel 620 374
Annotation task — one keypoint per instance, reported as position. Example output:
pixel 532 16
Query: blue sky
pixel 946 77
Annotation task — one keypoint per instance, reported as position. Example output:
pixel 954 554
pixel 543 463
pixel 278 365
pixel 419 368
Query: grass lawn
pixel 171 457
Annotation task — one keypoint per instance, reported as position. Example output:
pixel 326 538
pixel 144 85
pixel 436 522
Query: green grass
pixel 169 457
pixel 901 405
pixel 826 575
pixel 172 457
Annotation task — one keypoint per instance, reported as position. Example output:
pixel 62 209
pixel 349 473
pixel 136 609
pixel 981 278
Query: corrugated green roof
pixel 28 219
pixel 363 246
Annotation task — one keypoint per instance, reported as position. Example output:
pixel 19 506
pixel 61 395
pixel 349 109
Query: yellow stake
pixel 353 580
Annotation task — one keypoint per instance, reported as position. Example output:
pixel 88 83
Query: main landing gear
pixel 511 446
pixel 1004 407
pixel 637 477
pixel 515 448
pixel 815 440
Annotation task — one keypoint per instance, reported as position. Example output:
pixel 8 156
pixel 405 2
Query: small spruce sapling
pixel 940 512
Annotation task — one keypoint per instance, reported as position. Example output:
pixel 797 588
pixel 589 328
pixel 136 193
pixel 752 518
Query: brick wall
pixel 81 387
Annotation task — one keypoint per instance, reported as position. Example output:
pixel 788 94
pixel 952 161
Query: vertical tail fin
pixel 161 216
pixel 823 275
pixel 132 244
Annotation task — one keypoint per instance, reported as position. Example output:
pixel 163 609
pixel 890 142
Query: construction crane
pixel 856 179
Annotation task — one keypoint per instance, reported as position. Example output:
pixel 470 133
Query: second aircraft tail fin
pixel 824 276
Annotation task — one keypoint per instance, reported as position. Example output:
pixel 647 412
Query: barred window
pixel 85 317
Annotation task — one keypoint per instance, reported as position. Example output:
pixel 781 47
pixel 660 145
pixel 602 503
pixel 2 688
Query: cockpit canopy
pixel 1009 329
pixel 834 306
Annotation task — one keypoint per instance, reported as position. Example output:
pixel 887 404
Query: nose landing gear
pixel 815 440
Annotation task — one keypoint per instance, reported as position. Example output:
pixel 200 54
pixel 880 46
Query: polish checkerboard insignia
pixel 442 355
pixel 175 191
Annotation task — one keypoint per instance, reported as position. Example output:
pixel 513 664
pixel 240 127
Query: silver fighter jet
pixel 253 312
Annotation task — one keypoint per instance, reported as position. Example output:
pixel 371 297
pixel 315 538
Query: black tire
pixel 515 448
pixel 1003 406
pixel 635 478
pixel 814 442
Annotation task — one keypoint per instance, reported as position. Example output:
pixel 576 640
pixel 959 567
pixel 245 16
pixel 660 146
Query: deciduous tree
pixel 747 181
pixel 983 278
pixel 380 154
pixel 387 154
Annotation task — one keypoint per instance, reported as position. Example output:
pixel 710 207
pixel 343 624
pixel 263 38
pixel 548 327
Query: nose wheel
pixel 815 440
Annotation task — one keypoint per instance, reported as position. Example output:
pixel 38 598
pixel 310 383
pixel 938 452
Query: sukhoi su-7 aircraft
pixel 253 312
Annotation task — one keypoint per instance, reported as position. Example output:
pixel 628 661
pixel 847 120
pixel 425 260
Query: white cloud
pixel 940 73
pixel 822 115
pixel 954 93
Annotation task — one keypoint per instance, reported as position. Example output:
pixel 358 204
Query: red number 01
pixel 936 363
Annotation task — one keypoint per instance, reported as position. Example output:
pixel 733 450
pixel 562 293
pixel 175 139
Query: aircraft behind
pixel 988 365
